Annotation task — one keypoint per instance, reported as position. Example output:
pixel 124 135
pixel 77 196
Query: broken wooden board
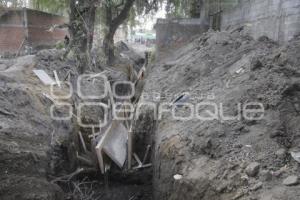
pixel 44 77
pixel 114 144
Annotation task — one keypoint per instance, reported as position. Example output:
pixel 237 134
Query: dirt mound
pixel 30 140
pixel 222 153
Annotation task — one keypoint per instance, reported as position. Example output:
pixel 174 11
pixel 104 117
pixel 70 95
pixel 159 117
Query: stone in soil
pixel 291 180
pixel 252 169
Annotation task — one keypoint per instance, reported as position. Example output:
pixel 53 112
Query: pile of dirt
pixel 220 158
pixel 31 143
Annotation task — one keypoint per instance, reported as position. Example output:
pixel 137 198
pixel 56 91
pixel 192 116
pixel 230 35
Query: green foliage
pixel 191 8
pixel 140 7
pixel 132 22
pixel 59 7
pixel 60 45
pixel 52 6
pixel 11 3
pixel 184 8
pixel 178 8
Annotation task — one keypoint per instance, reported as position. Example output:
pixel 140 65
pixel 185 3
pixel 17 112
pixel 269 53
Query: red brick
pixel 13 32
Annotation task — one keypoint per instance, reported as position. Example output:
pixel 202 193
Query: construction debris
pixel 44 77
pixel 115 143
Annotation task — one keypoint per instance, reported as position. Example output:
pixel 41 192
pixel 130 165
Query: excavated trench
pixel 38 153
pixel 218 159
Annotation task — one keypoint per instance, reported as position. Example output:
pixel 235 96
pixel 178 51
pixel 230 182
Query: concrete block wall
pixel 174 33
pixel 277 19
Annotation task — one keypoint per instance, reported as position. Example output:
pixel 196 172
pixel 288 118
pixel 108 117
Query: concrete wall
pixel 277 19
pixel 28 26
pixel 173 33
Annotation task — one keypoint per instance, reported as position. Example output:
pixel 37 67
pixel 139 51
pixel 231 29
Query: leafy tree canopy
pixel 59 7
pixel 11 3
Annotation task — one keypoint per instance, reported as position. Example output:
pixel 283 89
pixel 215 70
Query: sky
pixel 147 22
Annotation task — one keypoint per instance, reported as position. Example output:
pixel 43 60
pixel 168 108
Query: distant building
pixel 147 38
pixel 26 28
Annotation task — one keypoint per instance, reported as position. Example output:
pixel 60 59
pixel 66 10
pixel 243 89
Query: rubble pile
pixel 220 153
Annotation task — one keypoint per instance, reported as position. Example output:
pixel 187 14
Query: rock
pixel 296 156
pixel 252 169
pixel 221 188
pixel 290 181
pixel 257 186
pixel 281 153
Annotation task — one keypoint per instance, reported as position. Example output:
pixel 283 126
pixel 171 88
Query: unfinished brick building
pixel 21 28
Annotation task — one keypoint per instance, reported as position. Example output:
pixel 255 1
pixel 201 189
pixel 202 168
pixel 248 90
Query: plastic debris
pixel 178 177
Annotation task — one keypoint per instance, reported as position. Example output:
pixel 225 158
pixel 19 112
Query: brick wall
pixel 13 29
pixel 39 24
pixel 10 39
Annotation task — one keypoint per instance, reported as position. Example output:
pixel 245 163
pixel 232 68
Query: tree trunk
pixel 81 29
pixel 108 45
pixel 113 24
pixel 92 27
pixel 108 40
pixel 89 17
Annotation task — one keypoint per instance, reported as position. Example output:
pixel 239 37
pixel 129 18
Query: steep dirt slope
pixel 225 159
pixel 31 143
pixel 36 150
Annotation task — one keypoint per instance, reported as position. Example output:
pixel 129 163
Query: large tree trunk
pixel 108 45
pixel 113 24
pixel 108 40
pixel 90 16
pixel 81 29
